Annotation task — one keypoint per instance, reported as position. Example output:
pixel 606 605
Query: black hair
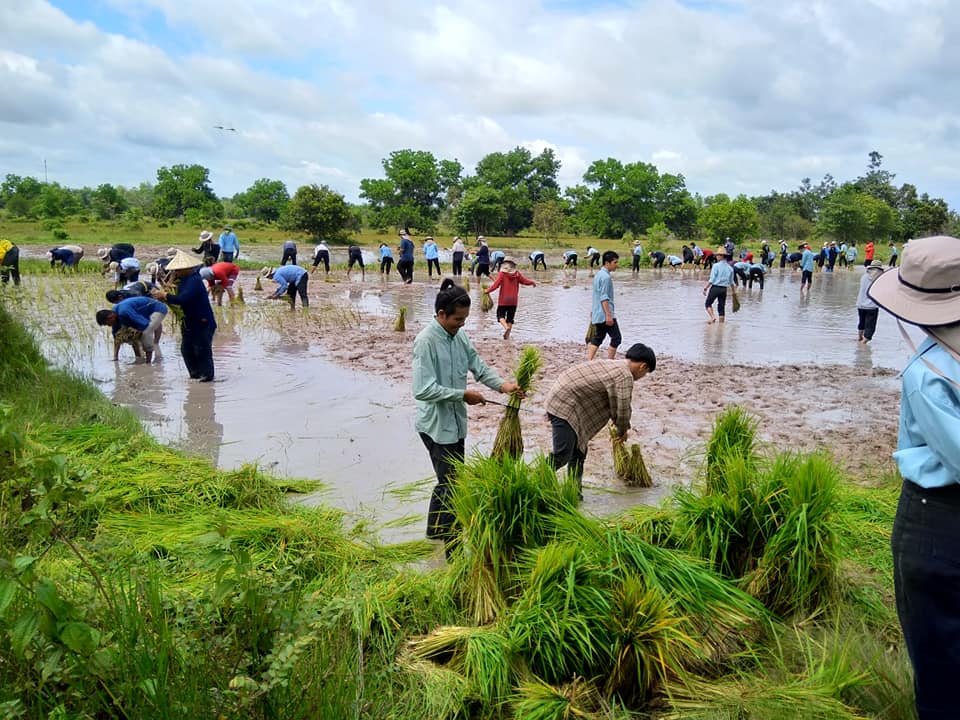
pixel 450 297
pixel 115 296
pixel 103 316
pixel 639 352
pixel 610 256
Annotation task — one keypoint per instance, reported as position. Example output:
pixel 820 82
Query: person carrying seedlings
pixel 442 357
pixel 219 277
pixel 405 261
pixel 925 541
pixel 67 256
pixel 9 262
pixel 321 254
pixel 867 309
pixel 538 258
pixel 229 245
pixel 355 257
pixel 585 397
pixel 386 259
pixel 721 278
pixel 288 252
pixel 431 254
pixel 142 314
pixel 197 325
pixel 508 282
pixel 290 279
pixel 602 313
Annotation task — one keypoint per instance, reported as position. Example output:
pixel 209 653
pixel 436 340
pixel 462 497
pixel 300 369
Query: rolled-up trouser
pixel 444 458
pixel 156 319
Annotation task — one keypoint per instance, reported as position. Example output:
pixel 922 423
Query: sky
pixel 740 96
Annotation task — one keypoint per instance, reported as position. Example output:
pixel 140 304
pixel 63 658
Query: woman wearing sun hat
pixel 198 324
pixel 925 542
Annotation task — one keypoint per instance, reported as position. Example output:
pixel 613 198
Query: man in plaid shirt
pixel 587 396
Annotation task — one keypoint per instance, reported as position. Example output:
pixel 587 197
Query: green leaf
pixel 48 596
pixel 80 637
pixel 8 591
pixel 23 631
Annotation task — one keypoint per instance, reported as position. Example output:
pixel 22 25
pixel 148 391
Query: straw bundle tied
pixel 257 285
pixel 509 440
pixel 628 461
pixel 401 324
pixel 240 298
pixel 736 300
pixel 591 331
pixel 486 302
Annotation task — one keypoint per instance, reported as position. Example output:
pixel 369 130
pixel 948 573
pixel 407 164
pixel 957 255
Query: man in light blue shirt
pixel 229 245
pixel 602 314
pixel 721 277
pixel 431 254
pixel 290 279
pixel 807 259
pixel 637 254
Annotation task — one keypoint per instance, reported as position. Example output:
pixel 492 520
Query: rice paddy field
pixel 149 571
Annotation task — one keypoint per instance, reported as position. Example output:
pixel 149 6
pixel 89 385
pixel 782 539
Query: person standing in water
pixel 508 282
pixel 721 277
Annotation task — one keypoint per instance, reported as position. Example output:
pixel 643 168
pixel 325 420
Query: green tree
pixel 623 198
pixel 736 219
pixel 549 220
pixel 479 212
pixel 140 197
pixel 319 211
pixel 56 201
pixel 108 202
pixel 853 216
pixel 519 180
pixel 20 194
pixel 264 200
pixel 413 192
pixel 877 182
pixel 185 187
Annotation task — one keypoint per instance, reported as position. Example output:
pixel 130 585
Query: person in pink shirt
pixel 508 283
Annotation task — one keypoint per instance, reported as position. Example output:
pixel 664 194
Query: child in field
pixel 508 282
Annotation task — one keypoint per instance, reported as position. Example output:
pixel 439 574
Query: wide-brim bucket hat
pixel 925 289
pixel 183 261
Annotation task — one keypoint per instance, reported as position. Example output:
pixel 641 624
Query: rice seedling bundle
pixel 536 700
pixel 257 285
pixel 591 331
pixel 401 324
pixel 736 300
pixel 734 435
pixel 438 692
pixel 486 302
pixel 628 461
pixel 240 298
pixel 466 283
pixel 509 439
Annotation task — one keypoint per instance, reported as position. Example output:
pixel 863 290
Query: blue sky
pixel 738 95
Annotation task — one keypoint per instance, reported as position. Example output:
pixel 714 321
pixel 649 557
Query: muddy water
pixel 279 403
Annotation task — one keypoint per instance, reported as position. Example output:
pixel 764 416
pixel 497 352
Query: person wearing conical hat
pixel 198 324
pixel 721 278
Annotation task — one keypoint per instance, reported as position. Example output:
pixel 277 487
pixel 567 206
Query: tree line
pixel 510 193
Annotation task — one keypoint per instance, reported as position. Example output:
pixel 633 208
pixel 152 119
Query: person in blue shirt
pixel 569 259
pixel 290 279
pixel 756 274
pixel 442 357
pixel 925 541
pixel 198 324
pixel 496 259
pixel 602 312
pixel 386 259
pixel 405 261
pixel 740 270
pixel 721 277
pixel 637 254
pixel 68 256
pixel 142 314
pixel 674 261
pixel 229 245
pixel 431 254
pixel 538 258
pixel 807 260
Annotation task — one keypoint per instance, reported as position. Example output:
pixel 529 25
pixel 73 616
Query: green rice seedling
pixel 465 283
pixel 734 434
pixel 486 302
pixel 736 299
pixel 401 324
pixel 502 507
pixel 628 462
pixel 797 569
pixel 435 692
pixel 257 285
pixel 509 439
pixel 239 296
pixel 590 333
pixel 536 700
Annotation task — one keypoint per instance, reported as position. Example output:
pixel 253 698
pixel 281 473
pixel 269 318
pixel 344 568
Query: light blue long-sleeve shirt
pixel 440 365
pixel 287 275
pixel 721 274
pixel 228 242
pixel 430 251
pixel 928 441
pixel 602 290
pixel 806 260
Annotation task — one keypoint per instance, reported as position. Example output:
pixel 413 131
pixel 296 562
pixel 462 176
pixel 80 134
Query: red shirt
pixel 224 273
pixel 868 251
pixel 509 286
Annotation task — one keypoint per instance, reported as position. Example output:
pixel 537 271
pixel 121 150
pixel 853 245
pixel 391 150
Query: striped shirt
pixel 590 394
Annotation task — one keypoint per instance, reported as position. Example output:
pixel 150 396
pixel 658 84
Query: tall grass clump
pixel 509 439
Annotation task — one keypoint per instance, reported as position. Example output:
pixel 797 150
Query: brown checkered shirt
pixel 590 394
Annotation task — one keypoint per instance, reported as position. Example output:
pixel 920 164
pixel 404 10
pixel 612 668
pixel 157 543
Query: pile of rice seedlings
pixel 486 302
pixel 537 700
pixel 509 439
pixel 628 462
pixel 401 324
pixel 257 285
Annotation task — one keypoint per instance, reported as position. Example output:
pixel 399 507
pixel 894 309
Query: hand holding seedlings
pixel 512 388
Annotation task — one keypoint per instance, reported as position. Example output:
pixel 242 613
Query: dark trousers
pixel 227 256
pixel 299 289
pixel 926 574
pixel 594 260
pixel 433 263
pixel 783 260
pixel 867 321
pixel 740 276
pixel 893 261
pixel 755 276
pixel 718 294
pixel 196 347
pixel 565 449
pixel 636 263
pixel 385 265
pixel 405 268
pixel 458 264
pixel 11 266
pixel 290 255
pixel 322 257
pixel 440 517
pixel 483 269
pixel 538 260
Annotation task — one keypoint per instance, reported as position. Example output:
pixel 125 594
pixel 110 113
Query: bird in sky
pixel 221 127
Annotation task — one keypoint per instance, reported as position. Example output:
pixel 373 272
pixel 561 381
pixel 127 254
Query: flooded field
pixel 324 394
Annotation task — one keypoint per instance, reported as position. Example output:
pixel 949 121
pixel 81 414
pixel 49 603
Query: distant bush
pixel 51 224
pixel 60 234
